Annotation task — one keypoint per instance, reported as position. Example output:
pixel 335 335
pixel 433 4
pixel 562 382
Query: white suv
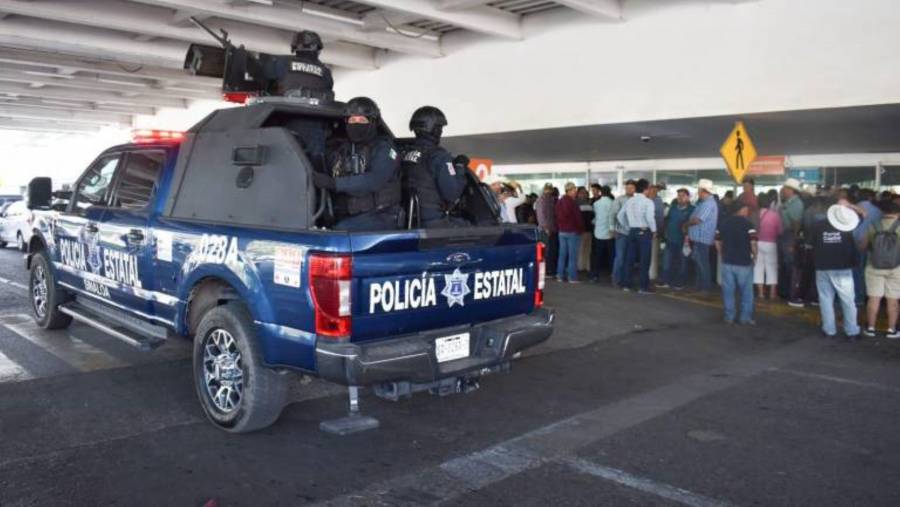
pixel 15 225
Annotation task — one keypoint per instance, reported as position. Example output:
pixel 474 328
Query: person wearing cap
pixel 545 209
pixel 640 216
pixel 834 255
pixel 620 233
pixel 791 211
pixel 736 241
pixel 571 227
pixel 701 230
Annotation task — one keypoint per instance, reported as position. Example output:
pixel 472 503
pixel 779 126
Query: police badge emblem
pixel 92 241
pixel 456 288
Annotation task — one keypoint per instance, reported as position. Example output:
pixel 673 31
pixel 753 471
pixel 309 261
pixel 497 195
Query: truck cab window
pixel 139 176
pixel 94 185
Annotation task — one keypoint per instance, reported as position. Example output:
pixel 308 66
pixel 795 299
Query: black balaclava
pixel 361 133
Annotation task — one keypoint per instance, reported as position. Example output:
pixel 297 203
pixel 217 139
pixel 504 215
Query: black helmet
pixel 363 106
pixel 306 41
pixel 428 119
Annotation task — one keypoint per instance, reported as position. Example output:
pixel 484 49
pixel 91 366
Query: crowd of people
pixel 817 246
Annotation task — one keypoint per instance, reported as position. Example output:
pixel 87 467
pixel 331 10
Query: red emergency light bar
pixel 238 97
pixel 156 136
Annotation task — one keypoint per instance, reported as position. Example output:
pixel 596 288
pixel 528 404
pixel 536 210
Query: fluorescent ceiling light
pixel 47 74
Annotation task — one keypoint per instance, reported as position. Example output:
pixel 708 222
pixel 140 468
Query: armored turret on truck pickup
pixel 215 235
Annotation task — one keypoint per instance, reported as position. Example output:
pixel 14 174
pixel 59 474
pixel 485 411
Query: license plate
pixel 453 347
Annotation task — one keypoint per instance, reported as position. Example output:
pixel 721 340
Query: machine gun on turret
pixel 246 74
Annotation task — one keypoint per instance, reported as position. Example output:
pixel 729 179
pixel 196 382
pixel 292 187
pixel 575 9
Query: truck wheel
pixel 46 296
pixel 2 244
pixel 20 242
pixel 238 393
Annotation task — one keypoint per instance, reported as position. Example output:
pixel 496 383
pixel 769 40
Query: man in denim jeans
pixel 835 255
pixel 701 229
pixel 736 243
pixel 675 264
pixel 639 214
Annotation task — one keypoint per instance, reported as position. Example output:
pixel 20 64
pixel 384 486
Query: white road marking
pixel 14 284
pixel 77 353
pixel 652 487
pixel 10 371
pixel 839 380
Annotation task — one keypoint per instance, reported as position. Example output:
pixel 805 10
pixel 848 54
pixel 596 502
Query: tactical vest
pixel 305 76
pixel 419 181
pixel 354 160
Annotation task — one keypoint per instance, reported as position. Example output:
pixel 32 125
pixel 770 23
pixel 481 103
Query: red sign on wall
pixel 771 165
pixel 481 166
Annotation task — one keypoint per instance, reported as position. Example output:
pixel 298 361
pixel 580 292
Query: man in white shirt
pixel 640 215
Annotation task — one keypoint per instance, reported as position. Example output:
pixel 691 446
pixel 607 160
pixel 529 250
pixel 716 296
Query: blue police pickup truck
pixel 216 235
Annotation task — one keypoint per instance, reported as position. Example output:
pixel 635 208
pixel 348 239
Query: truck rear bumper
pixel 412 358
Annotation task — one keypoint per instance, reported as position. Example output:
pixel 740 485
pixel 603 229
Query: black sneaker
pixel 796 303
pixel 869 331
pixel 892 334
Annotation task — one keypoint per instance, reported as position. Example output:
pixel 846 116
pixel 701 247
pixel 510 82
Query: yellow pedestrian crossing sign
pixel 738 152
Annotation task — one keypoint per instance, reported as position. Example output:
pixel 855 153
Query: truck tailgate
pixel 415 281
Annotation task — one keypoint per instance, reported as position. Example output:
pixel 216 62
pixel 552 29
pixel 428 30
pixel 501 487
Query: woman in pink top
pixel 765 272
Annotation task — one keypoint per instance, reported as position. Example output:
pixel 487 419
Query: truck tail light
pixel 329 284
pixel 541 272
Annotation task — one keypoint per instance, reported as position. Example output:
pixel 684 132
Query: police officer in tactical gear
pixel 304 75
pixel 432 174
pixel 363 172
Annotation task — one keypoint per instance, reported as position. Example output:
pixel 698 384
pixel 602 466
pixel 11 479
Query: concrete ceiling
pixel 75 66
pixel 868 129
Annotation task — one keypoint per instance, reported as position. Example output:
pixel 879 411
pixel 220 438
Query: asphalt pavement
pixel 635 400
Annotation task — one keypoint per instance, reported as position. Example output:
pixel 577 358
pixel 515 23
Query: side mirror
pixel 40 193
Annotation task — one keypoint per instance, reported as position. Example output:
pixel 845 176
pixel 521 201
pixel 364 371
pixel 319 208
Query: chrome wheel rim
pixel 223 373
pixel 39 291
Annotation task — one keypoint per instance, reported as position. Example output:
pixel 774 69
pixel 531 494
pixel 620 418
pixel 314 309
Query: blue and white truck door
pixel 127 243
pixel 76 231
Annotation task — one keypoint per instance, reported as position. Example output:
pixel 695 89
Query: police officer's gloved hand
pixel 322 180
pixel 461 161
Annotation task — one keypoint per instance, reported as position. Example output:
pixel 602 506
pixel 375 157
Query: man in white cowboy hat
pixel 509 193
pixel 791 211
pixel 834 255
pixel 701 232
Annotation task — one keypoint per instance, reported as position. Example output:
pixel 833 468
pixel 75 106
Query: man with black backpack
pixel 882 241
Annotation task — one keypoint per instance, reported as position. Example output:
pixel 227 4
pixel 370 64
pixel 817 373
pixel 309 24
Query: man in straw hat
pixel 834 256
pixel 791 211
pixel 701 230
